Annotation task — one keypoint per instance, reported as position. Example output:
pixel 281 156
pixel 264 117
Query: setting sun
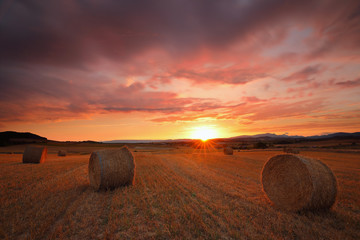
pixel 204 133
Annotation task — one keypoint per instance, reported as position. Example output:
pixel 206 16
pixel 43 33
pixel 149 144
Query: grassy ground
pixel 176 196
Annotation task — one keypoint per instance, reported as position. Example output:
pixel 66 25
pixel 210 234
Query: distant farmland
pixel 178 194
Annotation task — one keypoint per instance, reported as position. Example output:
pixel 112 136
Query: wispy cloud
pixel 350 83
pixel 304 75
pixel 184 61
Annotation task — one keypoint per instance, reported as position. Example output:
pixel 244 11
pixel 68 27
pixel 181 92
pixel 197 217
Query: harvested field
pixel 175 196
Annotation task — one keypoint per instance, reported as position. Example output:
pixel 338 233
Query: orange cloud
pixel 180 61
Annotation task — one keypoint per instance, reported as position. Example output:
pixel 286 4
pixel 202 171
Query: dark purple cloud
pixel 50 50
pixel 350 83
pixel 337 27
pixel 304 75
pixel 73 33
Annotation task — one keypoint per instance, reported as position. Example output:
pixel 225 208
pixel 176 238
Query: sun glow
pixel 204 133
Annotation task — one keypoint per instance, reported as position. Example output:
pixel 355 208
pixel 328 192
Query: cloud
pixel 186 117
pixel 304 75
pixel 75 59
pixel 74 33
pixel 308 127
pixel 31 96
pixel 252 99
pixel 252 111
pixel 273 109
pixel 202 110
pixel 337 28
pixel 79 34
pixel 230 75
pixel 350 83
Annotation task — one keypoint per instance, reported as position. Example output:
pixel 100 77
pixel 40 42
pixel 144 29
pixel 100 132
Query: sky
pixel 168 69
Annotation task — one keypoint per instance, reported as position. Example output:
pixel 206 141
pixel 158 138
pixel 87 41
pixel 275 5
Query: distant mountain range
pixel 243 137
pixel 149 141
pixel 339 135
pixel 11 137
pixel 265 136
pixel 284 136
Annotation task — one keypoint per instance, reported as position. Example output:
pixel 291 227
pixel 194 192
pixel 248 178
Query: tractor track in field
pixel 213 196
pixel 60 217
pixel 50 187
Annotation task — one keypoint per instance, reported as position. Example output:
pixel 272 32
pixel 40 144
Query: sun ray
pixel 204 147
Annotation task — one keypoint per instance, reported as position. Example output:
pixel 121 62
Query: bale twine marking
pixel 34 154
pixel 297 183
pixel 62 153
pixel 111 168
pixel 228 151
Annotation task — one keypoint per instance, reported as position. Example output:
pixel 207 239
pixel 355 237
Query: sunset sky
pixel 141 69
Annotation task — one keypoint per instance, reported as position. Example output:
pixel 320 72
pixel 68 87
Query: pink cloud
pixel 252 99
pixel 304 75
pixel 232 75
pixel 186 117
pixel 350 83
pixel 308 127
pixel 43 98
pixel 274 109
pixel 75 59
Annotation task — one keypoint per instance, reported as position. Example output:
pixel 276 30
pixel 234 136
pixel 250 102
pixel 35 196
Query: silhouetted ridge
pixel 10 137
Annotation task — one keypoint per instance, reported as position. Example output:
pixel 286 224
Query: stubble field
pixel 177 195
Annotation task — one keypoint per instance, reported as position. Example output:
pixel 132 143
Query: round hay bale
pixel 34 154
pixel 228 150
pixel 111 168
pixel 297 183
pixel 62 153
pixel 291 150
pixel 295 151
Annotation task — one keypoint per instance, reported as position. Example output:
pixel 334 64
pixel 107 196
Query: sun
pixel 204 133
